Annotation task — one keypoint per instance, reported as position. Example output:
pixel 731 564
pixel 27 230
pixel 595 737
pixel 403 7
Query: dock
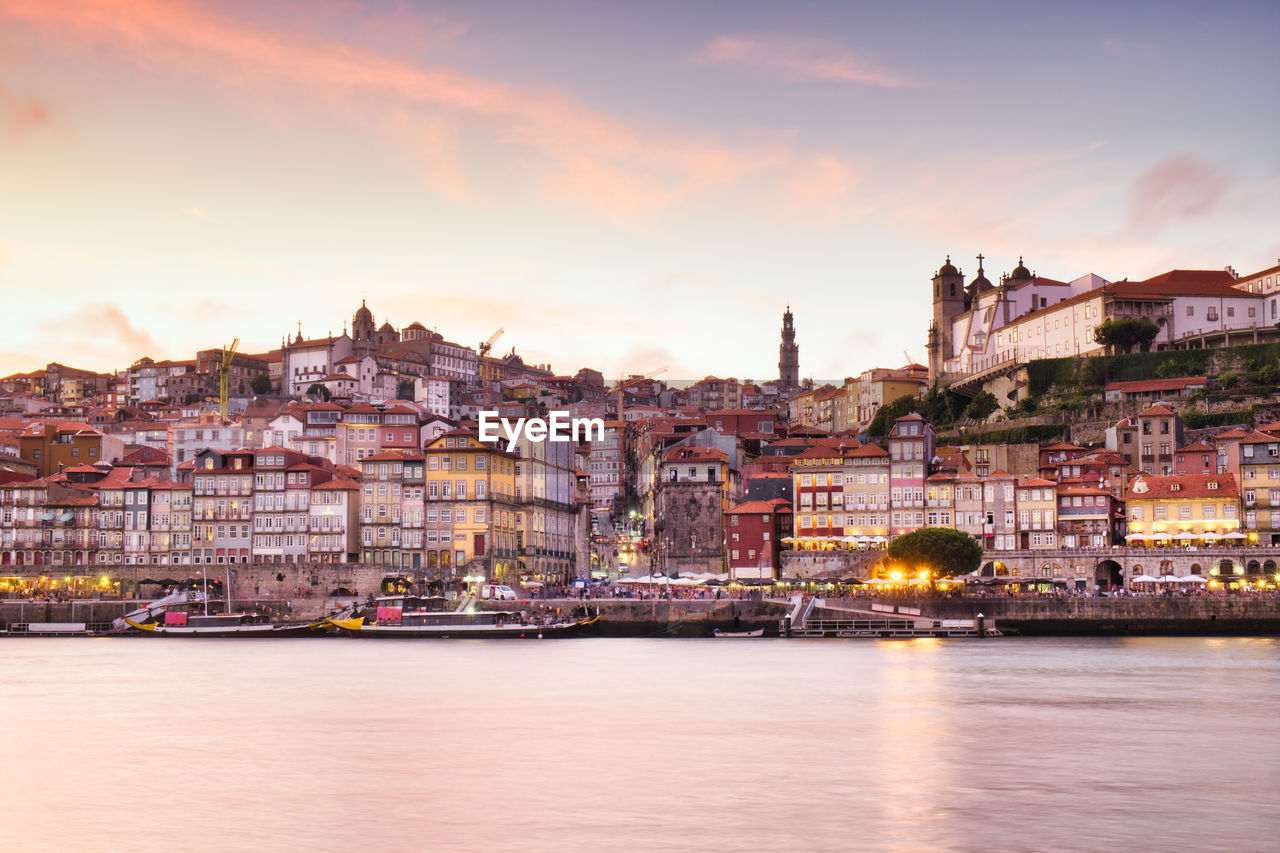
pixel 880 621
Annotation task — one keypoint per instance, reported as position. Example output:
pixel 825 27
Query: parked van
pixel 497 592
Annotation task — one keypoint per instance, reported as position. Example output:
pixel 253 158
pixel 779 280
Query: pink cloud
pixel 796 59
pixel 1177 188
pixel 562 148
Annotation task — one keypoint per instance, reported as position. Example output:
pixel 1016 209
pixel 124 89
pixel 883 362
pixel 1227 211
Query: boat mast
pixel 228 591
pixel 204 573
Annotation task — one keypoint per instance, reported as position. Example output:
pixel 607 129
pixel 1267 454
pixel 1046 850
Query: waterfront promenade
pixel 1225 614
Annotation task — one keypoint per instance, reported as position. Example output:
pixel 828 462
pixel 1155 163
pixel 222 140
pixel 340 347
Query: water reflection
pixel 640 744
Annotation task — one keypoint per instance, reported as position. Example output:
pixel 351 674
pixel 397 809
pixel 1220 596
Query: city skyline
pixel 672 177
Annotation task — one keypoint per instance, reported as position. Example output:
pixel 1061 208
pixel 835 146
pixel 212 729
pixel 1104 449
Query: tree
pixel 890 412
pixel 982 405
pixel 1125 333
pixel 942 551
pixel 261 384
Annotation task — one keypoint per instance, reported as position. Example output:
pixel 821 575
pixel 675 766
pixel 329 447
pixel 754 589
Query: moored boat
pixel 412 617
pixel 737 635
pixel 245 625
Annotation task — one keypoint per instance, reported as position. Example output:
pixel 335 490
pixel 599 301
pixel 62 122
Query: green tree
pixel 1168 369
pixel 942 551
pixel 1124 333
pixel 261 384
pixel 1028 405
pixel 981 406
pixel 890 412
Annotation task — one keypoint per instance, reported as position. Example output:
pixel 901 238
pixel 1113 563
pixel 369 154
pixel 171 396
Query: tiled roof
pixel 761 507
pixel 1140 386
pixel 1182 487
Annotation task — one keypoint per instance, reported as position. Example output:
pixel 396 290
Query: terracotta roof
pixel 1182 487
pixel 868 450
pixel 1197 447
pixel 1157 409
pixel 694 454
pixel 334 485
pixel 1036 482
pixel 761 507
pixel 1157 384
pixel 1256 437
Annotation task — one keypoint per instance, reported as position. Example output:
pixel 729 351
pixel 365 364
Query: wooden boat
pixel 737 635
pixel 225 625
pixel 397 621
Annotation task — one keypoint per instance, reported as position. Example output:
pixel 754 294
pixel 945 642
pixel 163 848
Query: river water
pixel 638 745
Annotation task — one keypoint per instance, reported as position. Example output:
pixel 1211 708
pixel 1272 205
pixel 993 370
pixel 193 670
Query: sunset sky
pixel 620 185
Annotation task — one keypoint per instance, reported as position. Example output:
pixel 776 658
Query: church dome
pixel 980 284
pixel 386 327
pixel 363 314
pixel 416 327
pixel 1020 272
pixel 948 268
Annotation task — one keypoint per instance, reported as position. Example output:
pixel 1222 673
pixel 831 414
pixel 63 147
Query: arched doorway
pixel 1108 575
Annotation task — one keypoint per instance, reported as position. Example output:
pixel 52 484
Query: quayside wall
pixel 1233 615
pixel 1201 615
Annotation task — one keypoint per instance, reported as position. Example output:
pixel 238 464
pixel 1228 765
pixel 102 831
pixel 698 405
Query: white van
pixel 497 592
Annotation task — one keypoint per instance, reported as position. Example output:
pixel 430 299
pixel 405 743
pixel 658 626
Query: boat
pixel 737 635
pixel 408 616
pixel 244 625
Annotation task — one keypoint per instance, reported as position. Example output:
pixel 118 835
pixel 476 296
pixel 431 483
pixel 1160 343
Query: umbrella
pixel 1192 579
pixel 147 580
pixel 879 539
pixel 1235 534
pixel 1145 579
pixel 1138 537
pixel 1168 579
pixel 1210 536
pixel 1186 536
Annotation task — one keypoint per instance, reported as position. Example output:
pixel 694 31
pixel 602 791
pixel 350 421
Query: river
pixel 639 745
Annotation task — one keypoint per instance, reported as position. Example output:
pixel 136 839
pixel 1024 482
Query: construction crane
pixel 224 370
pixel 621 387
pixel 488 345
pixel 488 382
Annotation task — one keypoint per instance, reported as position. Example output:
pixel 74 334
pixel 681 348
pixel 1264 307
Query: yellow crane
pixel 488 345
pixel 224 370
pixel 488 380
pixel 621 388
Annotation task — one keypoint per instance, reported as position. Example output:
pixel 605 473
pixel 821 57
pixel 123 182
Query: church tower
pixel 788 355
pixel 948 303
pixel 363 331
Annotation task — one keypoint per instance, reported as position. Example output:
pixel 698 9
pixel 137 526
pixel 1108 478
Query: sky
pixel 625 185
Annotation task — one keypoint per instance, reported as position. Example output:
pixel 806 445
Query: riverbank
pixel 629 617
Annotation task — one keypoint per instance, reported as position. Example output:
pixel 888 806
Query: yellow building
pixel 471 510
pixel 1037 509
pixel 1183 510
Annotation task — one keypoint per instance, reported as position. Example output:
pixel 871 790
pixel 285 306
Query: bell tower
pixel 948 303
pixel 788 354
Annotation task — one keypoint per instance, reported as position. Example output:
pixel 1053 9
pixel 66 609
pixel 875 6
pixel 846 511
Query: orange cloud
pixel 20 115
pixel 561 146
pixel 796 59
